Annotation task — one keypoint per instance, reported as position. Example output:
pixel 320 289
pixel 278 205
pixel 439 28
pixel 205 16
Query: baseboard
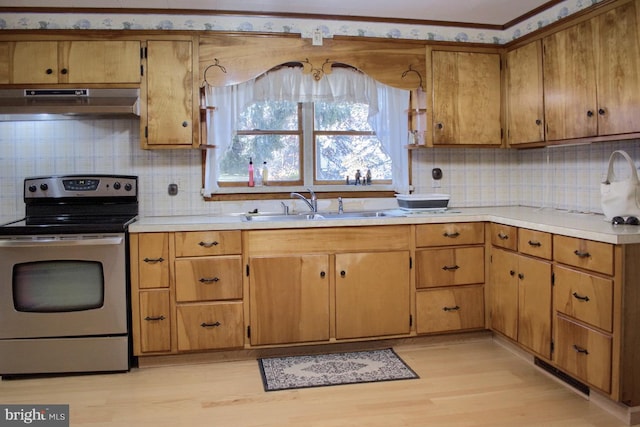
pixel 628 415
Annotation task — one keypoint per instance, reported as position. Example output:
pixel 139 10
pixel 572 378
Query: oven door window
pixel 58 286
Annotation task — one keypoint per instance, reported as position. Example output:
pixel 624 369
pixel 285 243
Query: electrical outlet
pixel 317 38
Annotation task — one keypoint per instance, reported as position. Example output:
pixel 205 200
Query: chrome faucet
pixel 340 206
pixel 312 202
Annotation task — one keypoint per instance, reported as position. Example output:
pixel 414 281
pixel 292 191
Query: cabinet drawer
pixel 536 243
pixel 203 243
pixel 457 233
pixel 504 236
pixel 155 321
pixel 587 254
pixel 584 297
pixel 452 266
pixel 210 326
pixel 584 353
pixel 451 309
pixel 208 278
pixel 153 260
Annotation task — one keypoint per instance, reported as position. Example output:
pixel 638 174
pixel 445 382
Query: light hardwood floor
pixel 465 383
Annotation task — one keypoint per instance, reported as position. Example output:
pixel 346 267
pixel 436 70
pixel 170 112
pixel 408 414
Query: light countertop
pixel 586 226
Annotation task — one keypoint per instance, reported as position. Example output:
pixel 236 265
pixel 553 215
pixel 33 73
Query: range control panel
pixel 55 187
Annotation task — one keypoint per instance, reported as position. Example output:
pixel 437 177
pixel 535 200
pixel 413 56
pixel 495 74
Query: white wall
pixel 561 177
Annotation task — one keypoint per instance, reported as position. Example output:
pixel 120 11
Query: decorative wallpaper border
pixel 305 27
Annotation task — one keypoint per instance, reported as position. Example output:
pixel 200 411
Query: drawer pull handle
pixel 503 236
pixel 452 268
pixel 581 350
pixel 451 235
pixel 582 254
pixel 456 308
pixel 535 244
pixel 208 244
pixel 210 325
pixel 150 319
pixel 580 297
pixel 209 279
pixel 153 260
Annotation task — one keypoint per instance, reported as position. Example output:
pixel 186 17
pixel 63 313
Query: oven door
pixel 63 286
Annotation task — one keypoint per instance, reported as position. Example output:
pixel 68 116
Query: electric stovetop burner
pixel 69 204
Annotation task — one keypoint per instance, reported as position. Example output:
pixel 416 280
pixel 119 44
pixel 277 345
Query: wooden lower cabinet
pixel 289 299
pixel 448 309
pixel 372 294
pixel 155 321
pixel 521 299
pixel 584 353
pixel 208 326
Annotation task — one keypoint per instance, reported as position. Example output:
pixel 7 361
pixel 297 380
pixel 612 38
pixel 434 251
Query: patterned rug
pixel 283 373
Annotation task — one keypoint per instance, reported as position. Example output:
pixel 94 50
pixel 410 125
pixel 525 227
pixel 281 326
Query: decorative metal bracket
pixel 411 70
pixel 216 63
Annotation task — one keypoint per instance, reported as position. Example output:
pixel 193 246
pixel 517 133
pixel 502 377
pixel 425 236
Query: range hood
pixel 52 104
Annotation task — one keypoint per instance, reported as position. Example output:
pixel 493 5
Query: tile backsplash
pixel 558 177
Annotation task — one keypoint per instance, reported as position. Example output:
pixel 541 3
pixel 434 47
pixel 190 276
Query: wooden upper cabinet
pixel 167 116
pixel 466 98
pixel 592 77
pixel 524 94
pixel 74 62
pixel 618 62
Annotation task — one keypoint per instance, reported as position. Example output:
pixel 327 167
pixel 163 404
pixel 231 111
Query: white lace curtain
pixel 387 111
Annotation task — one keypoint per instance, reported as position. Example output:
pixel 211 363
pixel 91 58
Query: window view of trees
pixel 273 132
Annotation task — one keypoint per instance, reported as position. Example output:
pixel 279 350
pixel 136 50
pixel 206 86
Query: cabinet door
pixel 153 261
pixel 619 71
pixel 570 83
pixel 525 108
pixel 372 294
pixel 5 54
pixel 169 94
pixel 100 61
pixel 504 292
pixel 534 305
pixel 35 62
pixel 155 322
pixel 289 299
pixel 466 98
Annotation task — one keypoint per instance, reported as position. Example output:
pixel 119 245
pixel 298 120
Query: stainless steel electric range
pixel 64 276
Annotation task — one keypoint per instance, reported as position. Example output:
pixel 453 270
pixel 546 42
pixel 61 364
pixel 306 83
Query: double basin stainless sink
pixel 316 216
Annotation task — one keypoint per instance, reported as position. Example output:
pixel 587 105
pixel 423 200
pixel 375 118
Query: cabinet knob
pixel 185 124
pixel 520 276
pixel 538 122
pixel 589 113
pixel 64 71
pixel 322 274
pixel 49 71
pixel 512 273
pixel 343 273
pixel 601 111
pixel 439 126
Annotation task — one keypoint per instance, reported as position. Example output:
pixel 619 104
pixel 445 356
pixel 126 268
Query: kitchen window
pixel 311 144
pixel 312 133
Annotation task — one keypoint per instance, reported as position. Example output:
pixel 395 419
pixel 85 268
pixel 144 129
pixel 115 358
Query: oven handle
pixel 80 241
